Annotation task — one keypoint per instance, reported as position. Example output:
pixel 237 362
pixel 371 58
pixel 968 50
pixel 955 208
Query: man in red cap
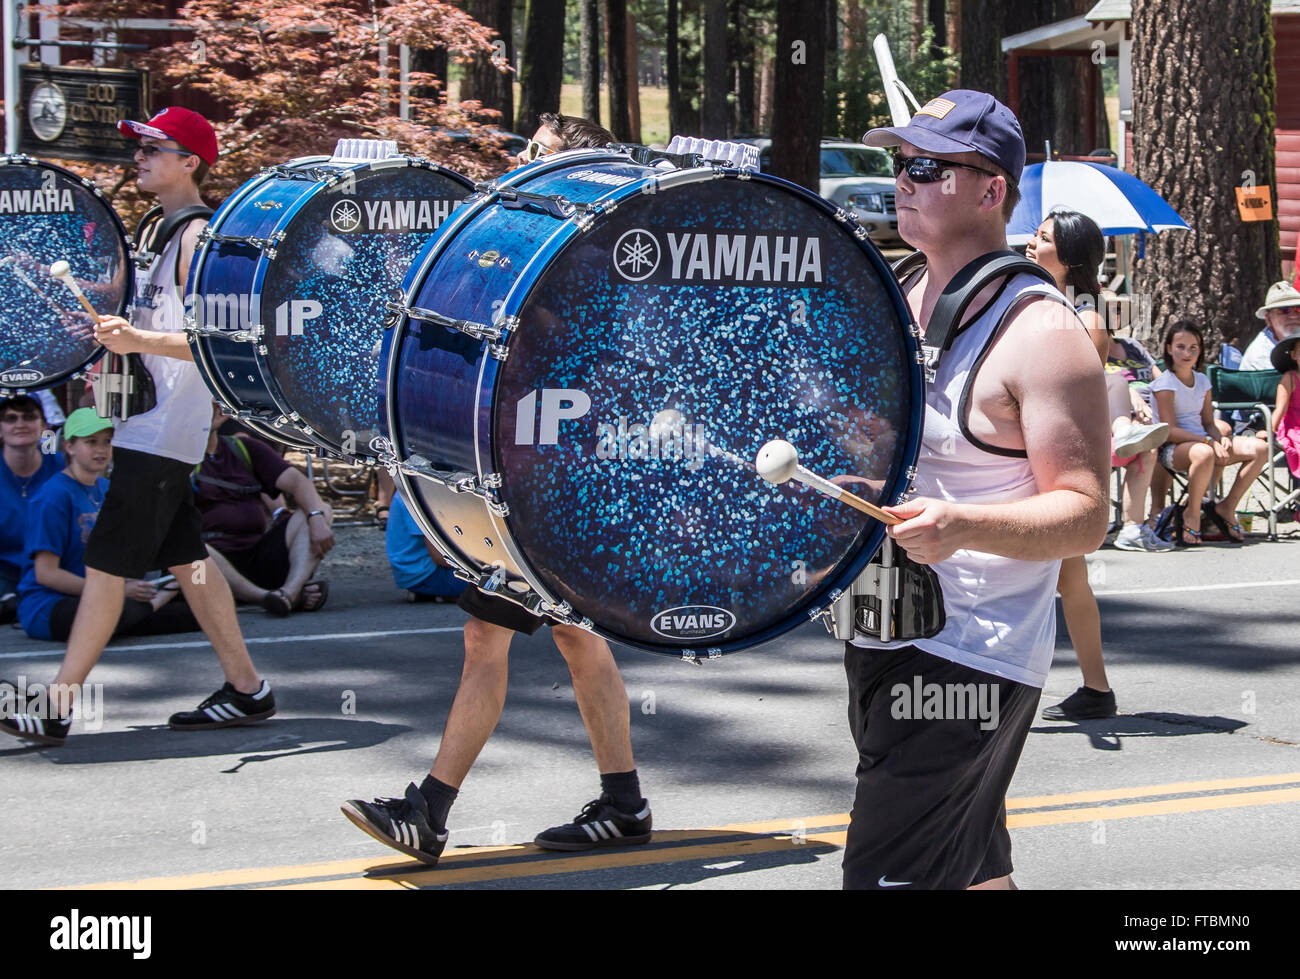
pixel 149 519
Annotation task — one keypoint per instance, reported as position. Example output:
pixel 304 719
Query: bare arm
pixel 302 489
pixel 1054 379
pixel 51 576
pixel 1097 333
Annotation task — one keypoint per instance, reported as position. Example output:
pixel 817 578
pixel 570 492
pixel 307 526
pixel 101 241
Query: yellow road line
pixel 463 865
pixel 1170 788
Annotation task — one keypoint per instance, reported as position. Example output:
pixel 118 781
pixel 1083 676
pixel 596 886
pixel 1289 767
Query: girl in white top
pixel 1199 445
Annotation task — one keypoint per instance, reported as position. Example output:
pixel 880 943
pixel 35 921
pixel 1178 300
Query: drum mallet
pixel 778 462
pixel 63 272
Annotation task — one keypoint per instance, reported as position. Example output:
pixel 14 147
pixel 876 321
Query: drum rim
pixel 269 380
pixel 200 346
pixel 816 602
pixel 128 293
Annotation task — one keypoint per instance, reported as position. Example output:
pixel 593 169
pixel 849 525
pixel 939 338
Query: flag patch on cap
pixel 937 108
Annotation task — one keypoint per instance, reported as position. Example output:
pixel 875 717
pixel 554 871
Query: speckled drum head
pixel 649 359
pixel 47 214
pixel 347 237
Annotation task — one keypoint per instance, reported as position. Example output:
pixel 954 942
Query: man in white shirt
pixel 1281 316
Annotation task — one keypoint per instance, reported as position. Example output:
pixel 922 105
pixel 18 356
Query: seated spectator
pixel 59 520
pixel 1130 369
pixel 26 469
pixel 417 565
pixel 1183 398
pixel 1281 316
pixel 1286 410
pixel 270 563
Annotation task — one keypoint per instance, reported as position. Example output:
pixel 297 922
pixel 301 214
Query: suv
pixel 856 177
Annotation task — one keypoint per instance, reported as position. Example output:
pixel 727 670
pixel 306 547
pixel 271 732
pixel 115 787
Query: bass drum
pixel 48 214
pixel 290 286
pixel 591 355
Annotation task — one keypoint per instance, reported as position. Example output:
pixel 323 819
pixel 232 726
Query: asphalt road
pixel 747 761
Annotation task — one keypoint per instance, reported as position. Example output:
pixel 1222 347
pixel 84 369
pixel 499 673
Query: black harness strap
pixel 166 228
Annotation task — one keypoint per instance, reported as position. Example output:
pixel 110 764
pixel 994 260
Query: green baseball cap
pixel 83 422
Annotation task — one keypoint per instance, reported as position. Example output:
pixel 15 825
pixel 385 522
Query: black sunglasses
pixel 928 169
pixel 149 150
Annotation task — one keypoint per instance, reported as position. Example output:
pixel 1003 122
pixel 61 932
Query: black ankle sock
pixel 439 796
pixel 1094 693
pixel 623 789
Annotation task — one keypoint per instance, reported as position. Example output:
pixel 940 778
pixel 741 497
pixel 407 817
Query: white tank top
pixel 1000 612
pixel 177 427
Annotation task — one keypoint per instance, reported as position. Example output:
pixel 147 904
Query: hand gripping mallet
pixel 778 462
pixel 63 272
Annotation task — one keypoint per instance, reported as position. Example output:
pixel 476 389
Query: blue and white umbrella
pixel 1119 202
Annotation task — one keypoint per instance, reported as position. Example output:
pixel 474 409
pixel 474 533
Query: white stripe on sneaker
pixel 214 713
pixel 590 832
pixel 612 828
pixel 604 833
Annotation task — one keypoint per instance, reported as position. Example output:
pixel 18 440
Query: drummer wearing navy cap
pixel 1011 478
pixel 149 519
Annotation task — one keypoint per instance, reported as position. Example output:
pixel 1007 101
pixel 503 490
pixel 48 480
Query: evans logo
pixel 692 622
pixel 20 376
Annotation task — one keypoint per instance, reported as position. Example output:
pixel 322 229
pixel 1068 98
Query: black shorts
pixel 266 563
pixel 148 520
pixel 500 611
pixel 930 805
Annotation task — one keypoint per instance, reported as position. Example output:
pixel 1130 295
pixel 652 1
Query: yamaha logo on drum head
pixel 692 622
pixel 345 216
pixel 636 255
pixel 21 376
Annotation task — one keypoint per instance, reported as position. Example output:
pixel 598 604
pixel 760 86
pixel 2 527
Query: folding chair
pixel 1254 393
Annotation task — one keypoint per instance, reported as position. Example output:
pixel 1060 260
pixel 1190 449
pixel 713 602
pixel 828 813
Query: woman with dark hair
pixel 1198 443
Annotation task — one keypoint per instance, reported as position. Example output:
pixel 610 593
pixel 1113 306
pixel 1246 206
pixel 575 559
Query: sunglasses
pixel 535 149
pixel 12 418
pixel 928 169
pixel 150 150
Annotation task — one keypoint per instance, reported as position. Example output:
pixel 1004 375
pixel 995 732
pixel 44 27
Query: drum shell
pixel 445 387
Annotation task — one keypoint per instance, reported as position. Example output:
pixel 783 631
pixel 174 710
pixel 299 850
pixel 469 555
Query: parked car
pixel 856 177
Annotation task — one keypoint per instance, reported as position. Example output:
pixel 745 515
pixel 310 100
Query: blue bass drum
pixel 49 214
pixel 591 353
pixel 289 288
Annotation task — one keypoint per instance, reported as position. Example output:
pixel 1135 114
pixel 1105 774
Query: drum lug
pixel 910 475
pixel 479 331
pixel 266 246
pixel 555 205
pixel 492 480
pixel 499 351
pixel 688 656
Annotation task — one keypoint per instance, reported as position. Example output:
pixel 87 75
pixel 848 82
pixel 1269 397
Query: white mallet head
pixel 777 461
pixel 60 270
pixel 666 424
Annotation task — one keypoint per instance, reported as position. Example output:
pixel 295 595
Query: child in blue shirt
pixel 416 565
pixel 24 469
pixel 59 520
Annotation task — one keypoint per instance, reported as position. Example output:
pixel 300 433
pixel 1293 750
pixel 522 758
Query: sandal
pixel 1225 528
pixel 277 603
pixel 1195 537
pixel 314 600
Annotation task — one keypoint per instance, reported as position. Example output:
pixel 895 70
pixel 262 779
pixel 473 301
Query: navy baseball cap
pixel 962 121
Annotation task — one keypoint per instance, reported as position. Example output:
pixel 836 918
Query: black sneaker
pixel 1084 704
pixel 31 728
pixel 401 823
pixel 226 708
pixel 599 824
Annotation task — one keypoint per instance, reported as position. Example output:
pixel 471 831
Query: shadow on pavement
pixel 1108 734
pixel 269 741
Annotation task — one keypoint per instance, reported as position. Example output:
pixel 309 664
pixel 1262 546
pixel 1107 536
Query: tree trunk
pixel 674 70
pixel 939 22
pixel 1201 123
pixel 801 80
pixel 713 116
pixel 918 27
pixel 954 39
pixel 542 70
pixel 589 60
pixel 834 91
pixel 746 81
pixel 633 79
pixel 690 33
pixel 620 119
pixel 484 80
pixel 431 61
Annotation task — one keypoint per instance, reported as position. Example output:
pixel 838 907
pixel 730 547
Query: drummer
pixel 1011 478
pixel 149 519
pixel 417 823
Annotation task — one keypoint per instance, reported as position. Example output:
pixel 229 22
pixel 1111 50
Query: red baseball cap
pixel 185 126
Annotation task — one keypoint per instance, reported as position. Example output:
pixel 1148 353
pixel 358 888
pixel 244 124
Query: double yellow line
pixel 801 839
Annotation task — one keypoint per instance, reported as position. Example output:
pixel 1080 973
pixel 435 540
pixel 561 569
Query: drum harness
pixel 123 386
pixel 911 591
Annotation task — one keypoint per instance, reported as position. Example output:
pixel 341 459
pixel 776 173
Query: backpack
pixel 241 452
